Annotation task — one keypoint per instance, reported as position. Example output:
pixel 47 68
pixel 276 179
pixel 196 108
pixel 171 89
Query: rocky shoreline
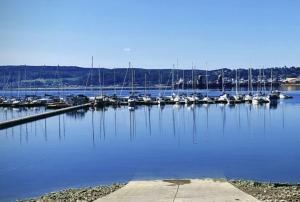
pixel 280 192
pixel 87 194
pixel 268 192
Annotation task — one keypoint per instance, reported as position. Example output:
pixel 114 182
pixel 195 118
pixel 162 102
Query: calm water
pixel 114 145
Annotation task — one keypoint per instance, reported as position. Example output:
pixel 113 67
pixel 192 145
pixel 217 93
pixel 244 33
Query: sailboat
pixel 194 97
pixel 249 97
pixel 276 93
pixel 238 97
pixel 258 98
pixel 160 99
pixel 147 97
pixel 101 100
pixel 132 99
pixel 273 96
pixel 114 99
pixel 207 99
pixel 180 98
pixel 225 97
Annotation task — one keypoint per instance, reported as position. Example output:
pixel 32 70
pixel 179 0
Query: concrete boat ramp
pixel 195 190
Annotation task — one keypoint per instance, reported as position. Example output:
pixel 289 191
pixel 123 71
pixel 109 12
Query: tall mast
pixel 92 74
pixel 159 82
pixel 251 85
pixel 177 77
pixel 248 80
pixel 173 79
pixel 260 80
pixel 223 81
pixel 130 67
pixel 115 91
pixel 102 82
pixel 271 79
pixel 19 81
pixel 25 80
pixel 206 82
pixel 57 77
pixel 99 78
pixel 145 84
pixel 193 78
pixel 264 81
pixel 183 80
pixel 236 81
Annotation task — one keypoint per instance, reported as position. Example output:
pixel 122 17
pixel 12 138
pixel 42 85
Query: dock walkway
pixel 200 190
pixel 26 119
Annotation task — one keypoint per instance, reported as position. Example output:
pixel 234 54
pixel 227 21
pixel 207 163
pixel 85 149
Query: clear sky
pixel 150 33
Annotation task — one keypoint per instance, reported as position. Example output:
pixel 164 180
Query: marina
pixel 151 142
pixel 137 101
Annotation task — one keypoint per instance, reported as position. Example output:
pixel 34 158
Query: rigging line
pixel 167 82
pixel 124 82
pixel 87 80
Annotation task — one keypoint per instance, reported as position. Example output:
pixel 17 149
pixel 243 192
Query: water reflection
pixel 78 114
pixel 132 126
pixel 118 144
pixel 7 113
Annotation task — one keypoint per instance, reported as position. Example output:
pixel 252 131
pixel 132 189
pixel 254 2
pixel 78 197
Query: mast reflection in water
pixel 106 145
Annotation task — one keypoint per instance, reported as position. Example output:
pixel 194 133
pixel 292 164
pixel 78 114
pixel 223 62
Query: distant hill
pixel 53 76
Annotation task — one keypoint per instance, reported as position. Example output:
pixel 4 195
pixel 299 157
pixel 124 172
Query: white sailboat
pixel 146 98
pixel 206 98
pixel 238 97
pixel 194 97
pixel 132 99
pixel 160 99
pixel 249 96
pixel 258 98
pixel 225 97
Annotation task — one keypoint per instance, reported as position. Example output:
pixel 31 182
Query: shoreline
pixel 86 194
pixel 268 191
pixel 264 191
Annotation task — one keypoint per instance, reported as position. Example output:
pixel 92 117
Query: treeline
pixel 49 76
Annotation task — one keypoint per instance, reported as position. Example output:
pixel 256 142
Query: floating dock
pixel 35 117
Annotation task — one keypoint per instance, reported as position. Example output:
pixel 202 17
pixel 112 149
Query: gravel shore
pixel 77 194
pixel 270 191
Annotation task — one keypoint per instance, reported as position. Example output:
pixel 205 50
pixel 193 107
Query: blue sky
pixel 151 34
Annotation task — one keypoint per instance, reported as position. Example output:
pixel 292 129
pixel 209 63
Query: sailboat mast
pixel 173 79
pixel 115 90
pixel 19 81
pixel 271 79
pixel 206 82
pixel 260 81
pixel 248 80
pixel 236 81
pixel 131 77
pixel 177 77
pixel 223 81
pixel 25 80
pixel 145 92
pixel 92 75
pixel 99 78
pixel 193 78
pixel 264 80
pixel 159 82
pixel 183 80
pixel 251 85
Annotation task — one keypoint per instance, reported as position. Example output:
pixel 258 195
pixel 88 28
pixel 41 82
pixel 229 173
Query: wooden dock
pixel 35 117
